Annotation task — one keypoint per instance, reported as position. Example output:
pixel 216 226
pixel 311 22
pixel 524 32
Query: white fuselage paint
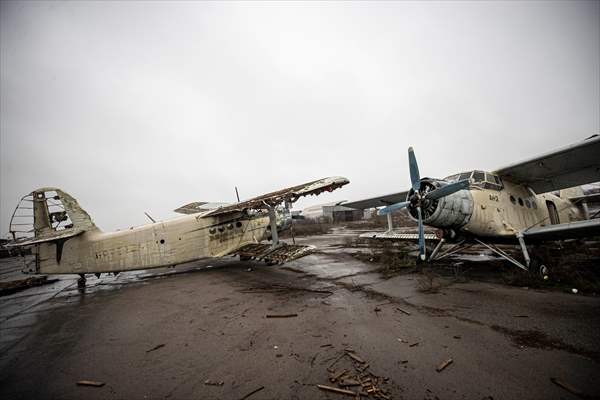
pixel 160 244
pixel 495 215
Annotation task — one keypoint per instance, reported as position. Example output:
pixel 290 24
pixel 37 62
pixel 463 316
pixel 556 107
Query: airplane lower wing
pixel 586 228
pixel 288 195
pixel 396 236
pixel 265 252
pixel 378 201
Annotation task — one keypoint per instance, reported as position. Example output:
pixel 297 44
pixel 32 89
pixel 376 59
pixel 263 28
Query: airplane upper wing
pixel 585 228
pixel 380 201
pixel 199 206
pixel 570 166
pixel 289 195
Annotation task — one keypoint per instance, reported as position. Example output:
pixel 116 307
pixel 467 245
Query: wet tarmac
pixel 162 334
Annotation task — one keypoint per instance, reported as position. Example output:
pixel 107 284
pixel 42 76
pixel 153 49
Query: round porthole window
pixel 521 202
pixel 512 199
pixel 238 224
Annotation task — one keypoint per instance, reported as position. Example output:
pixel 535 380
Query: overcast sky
pixel 133 106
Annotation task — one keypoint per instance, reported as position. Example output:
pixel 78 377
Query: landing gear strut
pixel 81 281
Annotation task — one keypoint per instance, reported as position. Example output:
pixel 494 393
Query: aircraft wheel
pixel 537 266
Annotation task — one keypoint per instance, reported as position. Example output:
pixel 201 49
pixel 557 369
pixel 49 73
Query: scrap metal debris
pixel 444 364
pixel 7 288
pixel 355 379
pixel 90 383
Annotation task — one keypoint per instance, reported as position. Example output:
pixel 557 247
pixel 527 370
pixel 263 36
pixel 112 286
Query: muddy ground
pixel 162 334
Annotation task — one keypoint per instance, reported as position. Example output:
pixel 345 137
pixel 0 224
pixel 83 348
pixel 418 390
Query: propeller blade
pixel 447 190
pixel 393 207
pixel 422 255
pixel 415 178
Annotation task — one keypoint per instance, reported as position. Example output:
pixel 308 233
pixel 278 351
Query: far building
pixel 334 212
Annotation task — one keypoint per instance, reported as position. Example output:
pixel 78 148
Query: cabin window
pixel 512 199
pixel 162 241
pixel 534 204
pixel 212 231
pixel 521 202
pixel 221 228
pixel 230 226
pixel 238 224
pixel 527 203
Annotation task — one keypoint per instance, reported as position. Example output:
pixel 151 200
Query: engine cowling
pixel 451 211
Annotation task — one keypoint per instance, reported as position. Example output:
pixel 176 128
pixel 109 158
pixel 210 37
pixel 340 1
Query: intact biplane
pixel 528 202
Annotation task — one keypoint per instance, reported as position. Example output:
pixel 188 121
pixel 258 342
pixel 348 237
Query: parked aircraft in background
pixel 65 240
pixel 531 201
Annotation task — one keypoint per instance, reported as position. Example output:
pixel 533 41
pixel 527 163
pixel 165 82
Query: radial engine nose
pixel 450 211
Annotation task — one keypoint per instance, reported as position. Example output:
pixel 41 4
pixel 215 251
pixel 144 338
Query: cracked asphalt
pixel 162 334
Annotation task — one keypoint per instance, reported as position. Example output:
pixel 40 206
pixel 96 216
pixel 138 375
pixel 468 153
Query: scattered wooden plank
pixel 338 375
pixel 281 315
pixel 90 383
pixel 414 344
pixel 401 310
pixel 158 346
pixel 443 365
pixel 252 392
pixel 355 357
pixel 337 390
pixel 569 388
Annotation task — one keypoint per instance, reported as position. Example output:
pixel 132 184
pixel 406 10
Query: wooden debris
pixel 252 392
pixel 214 383
pixel 401 310
pixel 568 388
pixel 414 344
pixel 327 345
pixel 158 346
pixel 90 383
pixel 443 365
pixel 521 316
pixel 338 375
pixel 337 390
pixel 349 382
pixel 355 357
pixel 281 315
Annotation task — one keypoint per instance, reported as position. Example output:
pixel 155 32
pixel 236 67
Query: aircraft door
pixel 552 213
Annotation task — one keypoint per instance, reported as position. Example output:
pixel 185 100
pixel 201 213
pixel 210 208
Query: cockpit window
pixel 464 175
pixel 478 176
pixel 452 178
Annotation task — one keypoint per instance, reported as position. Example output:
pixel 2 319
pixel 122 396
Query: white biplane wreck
pixel 536 200
pixel 65 240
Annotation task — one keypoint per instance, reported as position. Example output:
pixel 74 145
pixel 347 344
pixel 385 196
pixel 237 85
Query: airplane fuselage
pixel 496 210
pixel 172 242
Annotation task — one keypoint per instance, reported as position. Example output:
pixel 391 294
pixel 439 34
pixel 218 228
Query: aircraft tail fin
pixel 48 214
